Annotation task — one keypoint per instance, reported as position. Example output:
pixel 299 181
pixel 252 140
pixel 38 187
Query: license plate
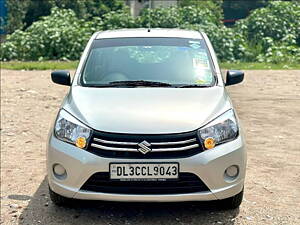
pixel 143 171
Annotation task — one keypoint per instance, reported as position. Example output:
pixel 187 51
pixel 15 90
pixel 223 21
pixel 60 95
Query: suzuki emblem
pixel 144 147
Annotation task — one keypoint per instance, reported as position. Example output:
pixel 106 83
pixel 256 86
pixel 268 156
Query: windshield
pixel 168 61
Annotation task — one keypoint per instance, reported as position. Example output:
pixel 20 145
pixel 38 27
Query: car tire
pixel 59 200
pixel 232 202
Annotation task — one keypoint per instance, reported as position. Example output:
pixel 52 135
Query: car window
pixel 170 60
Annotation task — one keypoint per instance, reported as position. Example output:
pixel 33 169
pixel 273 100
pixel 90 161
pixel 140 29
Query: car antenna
pixel 149 16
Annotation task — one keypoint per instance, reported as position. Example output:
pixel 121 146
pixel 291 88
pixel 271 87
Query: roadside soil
pixel 268 104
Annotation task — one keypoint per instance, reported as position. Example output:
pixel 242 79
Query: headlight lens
pixel 222 129
pixel 69 129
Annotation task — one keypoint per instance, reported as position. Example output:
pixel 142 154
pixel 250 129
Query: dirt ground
pixel 268 103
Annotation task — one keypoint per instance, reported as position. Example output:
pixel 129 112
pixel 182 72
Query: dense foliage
pixel 58 36
pixel 22 13
pixel 269 34
pixel 16 15
pixel 240 9
pixel 177 17
pixel 273 32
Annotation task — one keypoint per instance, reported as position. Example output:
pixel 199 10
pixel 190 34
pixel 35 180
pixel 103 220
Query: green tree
pixel 16 13
pixel 240 9
pixel 61 35
pixel 35 10
pixel 22 13
pixel 89 8
pixel 101 7
pixel 212 5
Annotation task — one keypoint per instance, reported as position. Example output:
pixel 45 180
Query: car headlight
pixel 222 129
pixel 70 130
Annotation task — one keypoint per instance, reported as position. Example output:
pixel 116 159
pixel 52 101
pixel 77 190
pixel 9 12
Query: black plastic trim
pixel 187 183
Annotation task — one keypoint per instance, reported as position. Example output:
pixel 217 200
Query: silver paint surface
pixel 146 110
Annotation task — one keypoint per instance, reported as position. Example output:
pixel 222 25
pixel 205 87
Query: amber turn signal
pixel 80 142
pixel 209 143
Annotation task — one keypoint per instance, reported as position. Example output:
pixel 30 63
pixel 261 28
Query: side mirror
pixel 61 77
pixel 234 77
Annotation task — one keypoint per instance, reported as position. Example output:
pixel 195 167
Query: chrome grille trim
pixel 152 143
pixel 113 148
pixel 175 142
pixel 114 142
pixel 175 149
pixel 153 149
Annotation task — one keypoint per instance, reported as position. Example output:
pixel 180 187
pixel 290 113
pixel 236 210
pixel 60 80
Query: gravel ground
pixel 268 103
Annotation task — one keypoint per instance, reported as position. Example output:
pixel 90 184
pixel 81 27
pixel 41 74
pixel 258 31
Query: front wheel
pixel 232 202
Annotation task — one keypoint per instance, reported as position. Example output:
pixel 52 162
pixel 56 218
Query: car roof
pixel 154 32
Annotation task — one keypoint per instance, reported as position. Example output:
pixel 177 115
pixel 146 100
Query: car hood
pixel 146 110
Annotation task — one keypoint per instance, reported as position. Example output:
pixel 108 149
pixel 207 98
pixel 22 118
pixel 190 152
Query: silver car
pixel 147 118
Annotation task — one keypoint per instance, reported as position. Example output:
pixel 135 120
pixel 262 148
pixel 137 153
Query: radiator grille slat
pixel 136 143
pixel 153 149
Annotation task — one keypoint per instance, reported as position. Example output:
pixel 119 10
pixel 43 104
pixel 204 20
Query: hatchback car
pixel 147 118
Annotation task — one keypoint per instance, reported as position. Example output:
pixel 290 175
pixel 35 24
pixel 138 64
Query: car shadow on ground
pixel 41 210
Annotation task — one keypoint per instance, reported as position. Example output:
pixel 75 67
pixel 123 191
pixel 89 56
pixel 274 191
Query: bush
pixel 175 17
pixel 161 17
pixel 272 33
pixel 60 35
pixel 200 15
pixel 276 21
pixel 22 13
pixel 16 14
pixel 279 52
pixel 269 34
pixel 119 19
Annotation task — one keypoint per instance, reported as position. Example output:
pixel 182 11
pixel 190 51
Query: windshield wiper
pixel 145 83
pixel 194 86
pixel 135 83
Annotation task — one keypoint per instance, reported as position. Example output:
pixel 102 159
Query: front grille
pixel 186 183
pixel 113 145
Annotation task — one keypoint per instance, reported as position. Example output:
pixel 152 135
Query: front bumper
pixel 209 166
